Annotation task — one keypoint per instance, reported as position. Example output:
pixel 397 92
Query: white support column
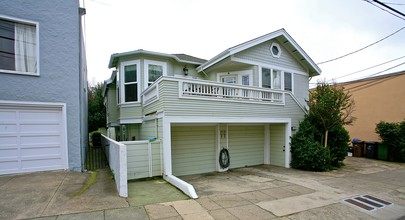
pixel 267 144
pixel 287 144
pixel 167 147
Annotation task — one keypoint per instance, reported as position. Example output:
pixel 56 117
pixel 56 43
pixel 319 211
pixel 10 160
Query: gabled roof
pixel 297 51
pixel 182 58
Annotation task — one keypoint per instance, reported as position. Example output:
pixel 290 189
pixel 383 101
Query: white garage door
pixel 32 139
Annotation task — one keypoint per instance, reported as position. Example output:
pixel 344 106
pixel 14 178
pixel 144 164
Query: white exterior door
pixel 32 138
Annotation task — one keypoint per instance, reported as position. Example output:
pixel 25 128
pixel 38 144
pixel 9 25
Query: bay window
pixel 18 47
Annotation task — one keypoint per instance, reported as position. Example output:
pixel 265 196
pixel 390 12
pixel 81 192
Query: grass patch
pixel 91 181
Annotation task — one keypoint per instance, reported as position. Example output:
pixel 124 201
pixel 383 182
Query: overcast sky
pixel 325 29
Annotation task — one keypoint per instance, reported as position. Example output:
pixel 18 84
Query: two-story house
pixel 237 109
pixel 43 86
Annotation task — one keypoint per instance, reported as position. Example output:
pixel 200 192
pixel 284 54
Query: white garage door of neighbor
pixel 32 139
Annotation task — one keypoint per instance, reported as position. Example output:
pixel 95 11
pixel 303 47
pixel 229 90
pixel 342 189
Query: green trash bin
pixel 382 152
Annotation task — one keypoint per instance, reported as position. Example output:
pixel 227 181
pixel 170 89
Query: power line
pixel 391 3
pixel 388 7
pixel 340 57
pixel 368 68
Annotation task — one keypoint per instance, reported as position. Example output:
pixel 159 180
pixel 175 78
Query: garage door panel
pixel 40 116
pixel 40 139
pixel 36 163
pixel 8 128
pixel 31 139
pixel 246 145
pixel 38 128
pixel 193 149
pixel 41 151
pixel 9 166
pixel 8 116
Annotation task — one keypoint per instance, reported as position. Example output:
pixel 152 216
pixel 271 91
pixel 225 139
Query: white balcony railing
pixel 229 92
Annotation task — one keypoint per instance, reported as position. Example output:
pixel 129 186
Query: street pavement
pixel 259 192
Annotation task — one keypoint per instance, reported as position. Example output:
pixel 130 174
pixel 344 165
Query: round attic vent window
pixel 275 50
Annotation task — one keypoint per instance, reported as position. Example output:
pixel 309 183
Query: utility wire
pixel 391 3
pixel 367 68
pixel 384 9
pixel 340 57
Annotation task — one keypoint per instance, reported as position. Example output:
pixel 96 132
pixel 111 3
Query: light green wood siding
pixel 138 160
pixel 149 129
pixel 193 149
pixel 112 110
pixel 133 132
pixel 130 112
pixel 246 145
pixel 261 53
pixel 301 88
pixel 277 143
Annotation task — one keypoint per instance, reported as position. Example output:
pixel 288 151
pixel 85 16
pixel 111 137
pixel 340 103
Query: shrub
pixel 306 152
pixel 95 138
pixel 338 144
pixel 393 136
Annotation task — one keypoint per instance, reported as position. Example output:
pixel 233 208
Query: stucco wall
pixel 376 100
pixel 59 44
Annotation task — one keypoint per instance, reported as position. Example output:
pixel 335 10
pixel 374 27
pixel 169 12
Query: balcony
pixel 210 90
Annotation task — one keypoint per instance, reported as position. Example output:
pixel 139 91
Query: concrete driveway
pixel 261 192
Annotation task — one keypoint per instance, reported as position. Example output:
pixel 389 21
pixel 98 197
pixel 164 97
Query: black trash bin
pixel 371 150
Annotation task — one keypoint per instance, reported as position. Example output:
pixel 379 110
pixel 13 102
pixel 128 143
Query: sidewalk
pixel 262 192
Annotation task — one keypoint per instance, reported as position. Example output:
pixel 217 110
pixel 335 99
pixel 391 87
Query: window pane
pixel 266 78
pixel 155 71
pixel 131 93
pixel 245 80
pixel 276 79
pixel 130 73
pixel 287 81
pixel 7 53
pixel 25 48
pixel 229 79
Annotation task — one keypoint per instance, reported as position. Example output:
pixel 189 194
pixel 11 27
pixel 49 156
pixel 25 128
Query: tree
pixel 331 106
pixel 97 111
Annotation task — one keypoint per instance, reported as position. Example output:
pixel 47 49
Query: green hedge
pixel 393 136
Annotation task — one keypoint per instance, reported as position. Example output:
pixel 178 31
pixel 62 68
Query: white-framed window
pixel 288 81
pixel 236 77
pixel 129 81
pixel 276 79
pixel 19 50
pixel 153 70
pixel 275 50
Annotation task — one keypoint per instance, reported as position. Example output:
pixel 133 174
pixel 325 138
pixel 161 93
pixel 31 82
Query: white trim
pixel 287 152
pixel 29 22
pixel 267 144
pixel 129 120
pixel 146 71
pixel 122 80
pixel 57 105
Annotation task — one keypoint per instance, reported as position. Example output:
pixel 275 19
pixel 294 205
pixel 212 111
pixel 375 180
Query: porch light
pixel 293 128
pixel 185 70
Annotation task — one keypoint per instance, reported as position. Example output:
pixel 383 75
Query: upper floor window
pixel 18 46
pixel 129 81
pixel 287 81
pixel 153 71
pixel 276 79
